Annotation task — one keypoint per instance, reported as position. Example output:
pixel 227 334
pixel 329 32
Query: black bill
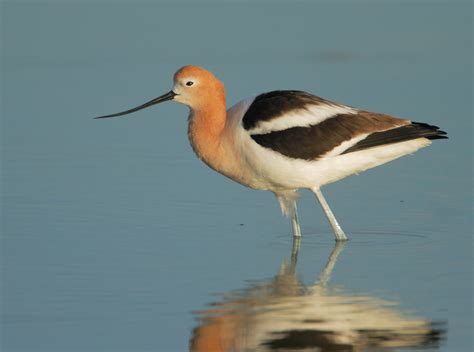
pixel 168 96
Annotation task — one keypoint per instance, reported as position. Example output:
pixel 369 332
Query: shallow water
pixel 114 236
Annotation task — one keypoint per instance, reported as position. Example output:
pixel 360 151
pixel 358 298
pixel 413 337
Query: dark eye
pixel 189 83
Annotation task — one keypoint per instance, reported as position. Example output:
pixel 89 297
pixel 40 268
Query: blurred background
pixel 115 237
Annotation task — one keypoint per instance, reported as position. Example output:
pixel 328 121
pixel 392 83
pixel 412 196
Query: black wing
pixel 313 141
pixel 400 134
pixel 268 106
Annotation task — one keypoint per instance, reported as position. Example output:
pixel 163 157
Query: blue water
pixel 115 237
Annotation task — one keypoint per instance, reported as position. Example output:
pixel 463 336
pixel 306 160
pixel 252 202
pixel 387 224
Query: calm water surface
pixel 115 237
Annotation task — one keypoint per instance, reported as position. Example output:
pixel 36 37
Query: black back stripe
pixel 314 141
pixel 296 142
pixel 268 106
pixel 400 134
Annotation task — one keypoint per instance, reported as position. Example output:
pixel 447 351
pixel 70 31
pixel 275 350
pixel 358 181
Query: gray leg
pixel 327 272
pixel 295 223
pixel 287 200
pixel 294 251
pixel 340 235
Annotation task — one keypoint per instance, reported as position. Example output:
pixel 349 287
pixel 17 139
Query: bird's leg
pixel 295 222
pixel 287 200
pixel 340 235
pixel 295 250
pixel 327 272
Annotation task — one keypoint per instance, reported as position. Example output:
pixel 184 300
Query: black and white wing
pixel 303 126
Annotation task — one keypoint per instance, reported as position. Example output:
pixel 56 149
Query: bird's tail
pixel 399 134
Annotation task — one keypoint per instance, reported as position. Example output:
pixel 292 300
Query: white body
pixel 266 169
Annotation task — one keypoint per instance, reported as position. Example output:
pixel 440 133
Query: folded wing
pixel 303 126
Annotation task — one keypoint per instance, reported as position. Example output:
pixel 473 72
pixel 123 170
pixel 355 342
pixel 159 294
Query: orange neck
pixel 205 130
pixel 213 139
pixel 213 143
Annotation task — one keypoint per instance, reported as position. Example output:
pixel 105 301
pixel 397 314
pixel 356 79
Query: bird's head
pixel 193 86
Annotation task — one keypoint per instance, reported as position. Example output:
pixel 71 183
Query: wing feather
pixel 304 126
pixel 315 141
pixel 396 135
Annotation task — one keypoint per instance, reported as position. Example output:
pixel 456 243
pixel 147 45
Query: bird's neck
pixel 206 133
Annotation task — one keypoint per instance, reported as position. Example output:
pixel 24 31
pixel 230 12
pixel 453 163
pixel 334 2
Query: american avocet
pixel 285 140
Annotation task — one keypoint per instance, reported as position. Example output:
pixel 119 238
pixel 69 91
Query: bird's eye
pixel 189 83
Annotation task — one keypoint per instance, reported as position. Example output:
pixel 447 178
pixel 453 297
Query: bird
pixel 287 140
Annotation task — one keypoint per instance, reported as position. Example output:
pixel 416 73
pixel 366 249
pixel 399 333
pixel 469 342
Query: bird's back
pixel 293 139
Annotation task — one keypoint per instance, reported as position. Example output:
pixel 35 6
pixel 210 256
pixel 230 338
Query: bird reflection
pixel 283 314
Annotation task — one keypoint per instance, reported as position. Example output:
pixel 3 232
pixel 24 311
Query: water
pixel 115 237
